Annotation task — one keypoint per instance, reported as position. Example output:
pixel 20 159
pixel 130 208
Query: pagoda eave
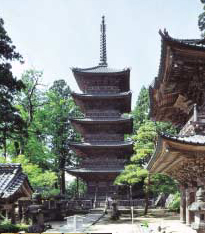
pixel 109 125
pixel 121 101
pixel 118 79
pixel 95 175
pixel 125 144
pixel 84 96
pixel 85 149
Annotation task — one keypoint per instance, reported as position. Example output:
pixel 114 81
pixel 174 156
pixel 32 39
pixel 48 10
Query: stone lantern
pixel 198 207
pixel 35 212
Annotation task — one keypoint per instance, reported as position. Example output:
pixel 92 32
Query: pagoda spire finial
pixel 103 47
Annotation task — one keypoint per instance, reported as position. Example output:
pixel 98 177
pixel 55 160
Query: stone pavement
pixel 74 224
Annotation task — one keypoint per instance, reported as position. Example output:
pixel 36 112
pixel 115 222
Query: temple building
pixel 14 185
pixel 178 95
pixel 105 97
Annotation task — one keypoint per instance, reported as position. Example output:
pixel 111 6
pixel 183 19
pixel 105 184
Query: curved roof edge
pixel 197 43
pixel 195 140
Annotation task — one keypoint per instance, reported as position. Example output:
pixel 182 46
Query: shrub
pixel 175 204
pixel 7 227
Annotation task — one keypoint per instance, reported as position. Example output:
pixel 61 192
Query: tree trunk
pixel 62 175
pixel 147 196
pixel 22 145
pixel 62 182
pixel 4 144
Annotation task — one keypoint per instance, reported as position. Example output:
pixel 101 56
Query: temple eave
pixel 172 151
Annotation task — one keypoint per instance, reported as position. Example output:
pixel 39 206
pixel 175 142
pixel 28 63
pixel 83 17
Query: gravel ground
pixel 155 219
pixel 168 222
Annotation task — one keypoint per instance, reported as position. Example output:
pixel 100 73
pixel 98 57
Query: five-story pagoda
pixel 105 97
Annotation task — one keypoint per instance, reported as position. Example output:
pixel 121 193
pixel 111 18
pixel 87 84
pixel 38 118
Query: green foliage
pixel 11 123
pixel 7 227
pixel 141 110
pixel 37 177
pixel 145 137
pixel 22 227
pixel 144 142
pixel 201 20
pixel 132 174
pixel 160 183
pixel 175 204
pixel 71 189
pixel 50 193
pixel 58 109
pixel 145 223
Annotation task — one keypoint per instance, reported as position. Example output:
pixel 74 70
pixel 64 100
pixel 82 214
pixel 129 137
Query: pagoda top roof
pixel 100 69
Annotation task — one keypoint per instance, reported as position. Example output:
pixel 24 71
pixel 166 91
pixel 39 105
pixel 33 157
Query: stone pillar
pixel 192 199
pixel 183 205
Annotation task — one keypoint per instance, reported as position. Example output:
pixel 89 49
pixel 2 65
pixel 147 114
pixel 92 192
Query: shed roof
pixel 12 181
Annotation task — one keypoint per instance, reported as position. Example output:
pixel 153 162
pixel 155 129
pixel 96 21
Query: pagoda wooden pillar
pixel 183 205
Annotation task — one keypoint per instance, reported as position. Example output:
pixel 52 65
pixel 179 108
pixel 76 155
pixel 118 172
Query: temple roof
pixel 180 81
pixel 168 143
pixel 195 139
pixel 12 181
pixel 182 158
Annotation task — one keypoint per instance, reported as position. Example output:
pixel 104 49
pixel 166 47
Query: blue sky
pixel 55 35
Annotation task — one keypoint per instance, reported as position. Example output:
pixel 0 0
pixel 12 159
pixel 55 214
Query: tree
pixel 141 110
pixel 59 108
pixel 28 102
pixel 201 20
pixel 11 122
pixel 144 145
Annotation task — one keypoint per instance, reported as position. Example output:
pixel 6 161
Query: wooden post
pixel 13 218
pixel 20 211
pixel 183 205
